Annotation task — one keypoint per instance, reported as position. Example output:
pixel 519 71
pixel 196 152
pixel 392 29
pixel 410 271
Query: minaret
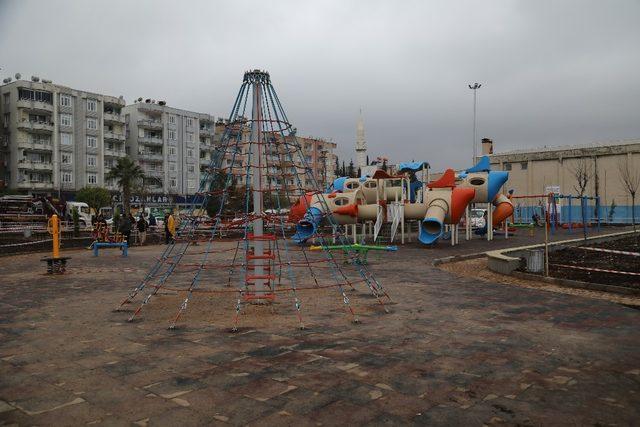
pixel 361 144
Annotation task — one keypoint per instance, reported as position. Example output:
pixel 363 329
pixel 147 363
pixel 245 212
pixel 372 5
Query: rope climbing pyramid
pixel 245 248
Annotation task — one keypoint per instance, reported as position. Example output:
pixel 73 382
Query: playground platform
pixel 453 351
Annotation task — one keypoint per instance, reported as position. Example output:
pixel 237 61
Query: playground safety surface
pixel 453 351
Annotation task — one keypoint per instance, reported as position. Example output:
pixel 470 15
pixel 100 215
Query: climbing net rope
pixel 260 166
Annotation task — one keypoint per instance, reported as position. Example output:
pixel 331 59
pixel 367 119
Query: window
pixel 92 124
pixel 524 165
pixel 66 120
pixel 35 95
pixel 172 134
pixel 92 178
pixel 65 100
pixel 189 136
pixel 189 152
pixel 189 122
pixel 6 98
pixel 507 166
pixel 91 160
pixel 6 119
pixel 172 119
pixel 66 139
pixel 172 151
pixel 172 167
pixel 173 182
pixel 191 168
pixel 67 177
pixel 66 159
pixel 92 105
pixel 191 183
pixel 92 142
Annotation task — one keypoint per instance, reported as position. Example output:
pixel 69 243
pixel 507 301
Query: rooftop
pixel 547 149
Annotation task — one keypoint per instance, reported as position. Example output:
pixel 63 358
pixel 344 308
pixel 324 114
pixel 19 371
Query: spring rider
pixel 55 263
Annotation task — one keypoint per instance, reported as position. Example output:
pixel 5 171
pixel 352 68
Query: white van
pixel 83 211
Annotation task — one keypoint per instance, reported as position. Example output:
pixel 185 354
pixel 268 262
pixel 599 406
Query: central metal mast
pixel 258 163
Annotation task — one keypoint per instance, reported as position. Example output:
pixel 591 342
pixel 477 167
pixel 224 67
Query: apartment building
pixel 288 170
pixel 170 144
pixel 56 139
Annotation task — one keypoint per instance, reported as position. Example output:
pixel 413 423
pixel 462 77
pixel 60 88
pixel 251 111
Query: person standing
pixel 171 225
pixel 125 228
pixel 142 230
pixel 152 222
pixel 167 236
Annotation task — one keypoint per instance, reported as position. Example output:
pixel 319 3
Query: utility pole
pixel 474 87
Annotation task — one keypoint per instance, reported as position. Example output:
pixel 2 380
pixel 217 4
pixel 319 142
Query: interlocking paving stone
pixel 453 351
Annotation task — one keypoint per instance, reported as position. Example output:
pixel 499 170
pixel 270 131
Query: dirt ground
pixel 478 268
pixel 450 350
pixel 582 257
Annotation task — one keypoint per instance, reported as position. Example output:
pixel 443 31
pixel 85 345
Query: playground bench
pixel 121 245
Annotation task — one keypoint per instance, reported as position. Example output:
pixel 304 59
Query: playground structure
pixel 262 263
pixel 383 198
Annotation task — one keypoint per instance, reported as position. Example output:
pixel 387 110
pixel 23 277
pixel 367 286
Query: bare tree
pixel 630 179
pixel 583 173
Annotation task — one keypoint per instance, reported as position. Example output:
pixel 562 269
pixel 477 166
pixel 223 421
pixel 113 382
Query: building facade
pixel 317 156
pixel 170 144
pixel 539 171
pixel 56 139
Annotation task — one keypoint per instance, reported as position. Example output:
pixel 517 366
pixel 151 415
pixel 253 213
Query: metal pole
pixel 257 183
pixel 546 244
pixel 474 87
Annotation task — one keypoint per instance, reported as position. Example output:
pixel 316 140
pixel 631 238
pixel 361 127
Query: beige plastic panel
pixel 373 190
pixel 414 210
pixel 479 181
pixel 351 185
pixel 368 212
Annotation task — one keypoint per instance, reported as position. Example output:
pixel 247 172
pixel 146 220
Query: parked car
pixel 476 216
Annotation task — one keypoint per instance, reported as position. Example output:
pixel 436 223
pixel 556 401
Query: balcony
pixel 155 189
pixel 35 106
pixel 35 185
pixel 37 166
pixel 150 124
pixel 113 136
pixel 206 147
pixel 114 153
pixel 40 127
pixel 206 131
pixel 149 140
pixel 151 157
pixel 34 146
pixel 205 161
pixel 113 118
pixel 154 173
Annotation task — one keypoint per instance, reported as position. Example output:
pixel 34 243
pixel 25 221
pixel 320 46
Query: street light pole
pixel 474 87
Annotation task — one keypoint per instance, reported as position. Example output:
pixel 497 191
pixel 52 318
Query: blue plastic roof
pixel 412 166
pixel 484 165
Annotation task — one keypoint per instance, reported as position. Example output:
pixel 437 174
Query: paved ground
pixel 452 351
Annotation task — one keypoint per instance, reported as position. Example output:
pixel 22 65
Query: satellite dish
pixel 140 99
pixel 18 75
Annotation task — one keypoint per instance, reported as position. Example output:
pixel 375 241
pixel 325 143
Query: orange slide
pixel 503 209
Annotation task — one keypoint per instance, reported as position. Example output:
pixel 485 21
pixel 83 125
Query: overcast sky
pixel 552 72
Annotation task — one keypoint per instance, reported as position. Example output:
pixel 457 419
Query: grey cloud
pixel 553 72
